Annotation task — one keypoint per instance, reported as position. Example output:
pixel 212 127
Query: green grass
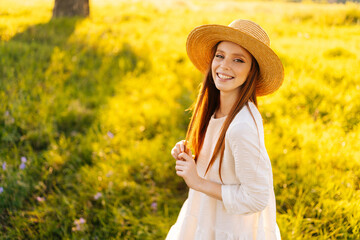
pixel 96 104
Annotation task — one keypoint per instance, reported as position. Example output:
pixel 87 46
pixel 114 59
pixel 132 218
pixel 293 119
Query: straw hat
pixel 248 35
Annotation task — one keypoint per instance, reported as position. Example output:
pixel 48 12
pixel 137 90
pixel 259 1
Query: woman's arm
pixel 252 170
pixel 186 169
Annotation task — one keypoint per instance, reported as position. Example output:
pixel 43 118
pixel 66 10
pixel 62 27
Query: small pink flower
pixel 40 199
pixel 76 228
pixel 79 221
pixel 154 206
pixel 22 166
pixel 98 195
pixel 78 224
pixel 4 166
pixel 110 134
pixel 109 173
pixel 23 159
pixel 82 221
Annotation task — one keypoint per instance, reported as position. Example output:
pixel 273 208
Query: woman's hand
pixel 179 148
pixel 186 168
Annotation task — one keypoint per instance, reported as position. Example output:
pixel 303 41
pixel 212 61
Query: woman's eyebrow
pixel 239 54
pixel 234 54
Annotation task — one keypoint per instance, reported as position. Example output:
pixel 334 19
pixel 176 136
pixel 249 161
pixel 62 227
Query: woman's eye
pixel 239 60
pixel 219 56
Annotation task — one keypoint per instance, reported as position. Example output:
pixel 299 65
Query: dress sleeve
pixel 252 171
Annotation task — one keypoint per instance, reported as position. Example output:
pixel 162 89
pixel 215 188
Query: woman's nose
pixel 225 64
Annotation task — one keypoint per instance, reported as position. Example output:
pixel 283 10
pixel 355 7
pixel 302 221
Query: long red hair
pixel 208 101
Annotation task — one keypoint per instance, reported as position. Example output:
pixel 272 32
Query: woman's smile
pixel 223 76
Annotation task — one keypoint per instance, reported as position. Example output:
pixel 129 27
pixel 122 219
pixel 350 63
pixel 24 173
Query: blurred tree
pixel 69 8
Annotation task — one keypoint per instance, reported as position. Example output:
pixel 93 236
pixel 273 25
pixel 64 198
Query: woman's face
pixel 230 66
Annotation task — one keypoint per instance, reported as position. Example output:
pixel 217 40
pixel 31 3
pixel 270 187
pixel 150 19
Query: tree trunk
pixel 69 8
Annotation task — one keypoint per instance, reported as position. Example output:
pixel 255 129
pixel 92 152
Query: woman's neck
pixel 227 100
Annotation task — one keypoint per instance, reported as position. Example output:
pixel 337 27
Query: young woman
pixel 231 192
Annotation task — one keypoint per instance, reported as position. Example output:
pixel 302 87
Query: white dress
pixel 248 208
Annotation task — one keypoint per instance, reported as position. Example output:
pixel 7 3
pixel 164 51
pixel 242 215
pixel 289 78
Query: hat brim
pixel 202 39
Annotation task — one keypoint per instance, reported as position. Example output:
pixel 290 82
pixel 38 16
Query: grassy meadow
pixel 90 109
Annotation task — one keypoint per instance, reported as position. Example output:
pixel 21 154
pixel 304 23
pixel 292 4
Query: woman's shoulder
pixel 243 123
pixel 246 115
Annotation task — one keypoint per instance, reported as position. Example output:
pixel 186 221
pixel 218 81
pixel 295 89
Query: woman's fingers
pixel 180 163
pixel 180 166
pixel 174 153
pixel 179 170
pixel 185 157
pixel 181 146
pixel 178 147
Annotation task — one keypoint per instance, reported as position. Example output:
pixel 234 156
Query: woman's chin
pixel 222 85
pixel 222 88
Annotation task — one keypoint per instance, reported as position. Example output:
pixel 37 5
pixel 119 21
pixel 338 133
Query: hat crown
pixel 252 29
